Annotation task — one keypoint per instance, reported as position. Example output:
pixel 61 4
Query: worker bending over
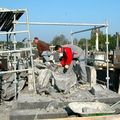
pixel 72 55
pixel 65 56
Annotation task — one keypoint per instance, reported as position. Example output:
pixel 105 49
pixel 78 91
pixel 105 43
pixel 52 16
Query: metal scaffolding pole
pixel 15 42
pixel 107 59
pixel 14 51
pixel 31 55
pixel 14 10
pixel 13 71
pixel 14 32
pixel 60 24
pixel 71 37
pixel 88 29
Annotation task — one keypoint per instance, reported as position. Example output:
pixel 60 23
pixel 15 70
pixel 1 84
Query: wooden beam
pixel 110 117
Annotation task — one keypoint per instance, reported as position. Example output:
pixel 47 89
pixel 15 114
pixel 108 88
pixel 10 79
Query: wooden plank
pixel 110 117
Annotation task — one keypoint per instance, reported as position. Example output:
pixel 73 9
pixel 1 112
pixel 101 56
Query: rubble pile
pixel 49 77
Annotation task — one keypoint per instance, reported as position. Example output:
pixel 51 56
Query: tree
pixel 102 40
pixel 20 45
pixel 113 41
pixel 82 43
pixel 75 41
pixel 59 40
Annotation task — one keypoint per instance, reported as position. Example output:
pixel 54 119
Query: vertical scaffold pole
pixel 107 59
pixel 31 55
pixel 71 37
pixel 14 42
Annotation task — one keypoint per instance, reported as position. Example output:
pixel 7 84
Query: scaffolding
pixel 93 25
pixel 96 27
pixel 8 28
pixel 8 25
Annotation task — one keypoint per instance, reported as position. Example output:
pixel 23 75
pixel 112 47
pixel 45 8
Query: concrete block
pixel 91 75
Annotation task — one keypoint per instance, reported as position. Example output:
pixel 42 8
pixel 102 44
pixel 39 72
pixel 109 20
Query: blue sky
pixel 82 11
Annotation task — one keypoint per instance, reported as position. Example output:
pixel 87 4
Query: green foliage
pixel 59 40
pixel 19 45
pixel 75 41
pixel 102 40
pixel 10 44
pixel 112 41
pixel 82 43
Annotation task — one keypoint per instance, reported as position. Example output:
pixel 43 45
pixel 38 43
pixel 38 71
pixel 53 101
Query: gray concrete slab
pixel 36 114
pixel 31 106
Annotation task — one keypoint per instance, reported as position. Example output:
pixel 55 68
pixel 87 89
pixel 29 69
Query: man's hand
pixel 66 66
pixel 59 65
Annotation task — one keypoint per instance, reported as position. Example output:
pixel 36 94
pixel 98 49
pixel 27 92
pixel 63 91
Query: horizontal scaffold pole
pixel 15 51
pixel 60 24
pixel 14 32
pixel 13 71
pixel 87 30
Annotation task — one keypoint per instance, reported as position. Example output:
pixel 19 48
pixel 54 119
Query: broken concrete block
pixel 64 82
pixel 91 75
pixel 97 89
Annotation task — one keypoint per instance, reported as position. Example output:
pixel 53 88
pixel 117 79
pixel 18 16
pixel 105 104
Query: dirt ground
pixel 5 108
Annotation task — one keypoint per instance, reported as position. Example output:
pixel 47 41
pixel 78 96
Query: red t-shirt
pixel 67 56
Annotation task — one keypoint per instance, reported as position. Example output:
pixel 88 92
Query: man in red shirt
pixel 75 55
pixel 65 56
